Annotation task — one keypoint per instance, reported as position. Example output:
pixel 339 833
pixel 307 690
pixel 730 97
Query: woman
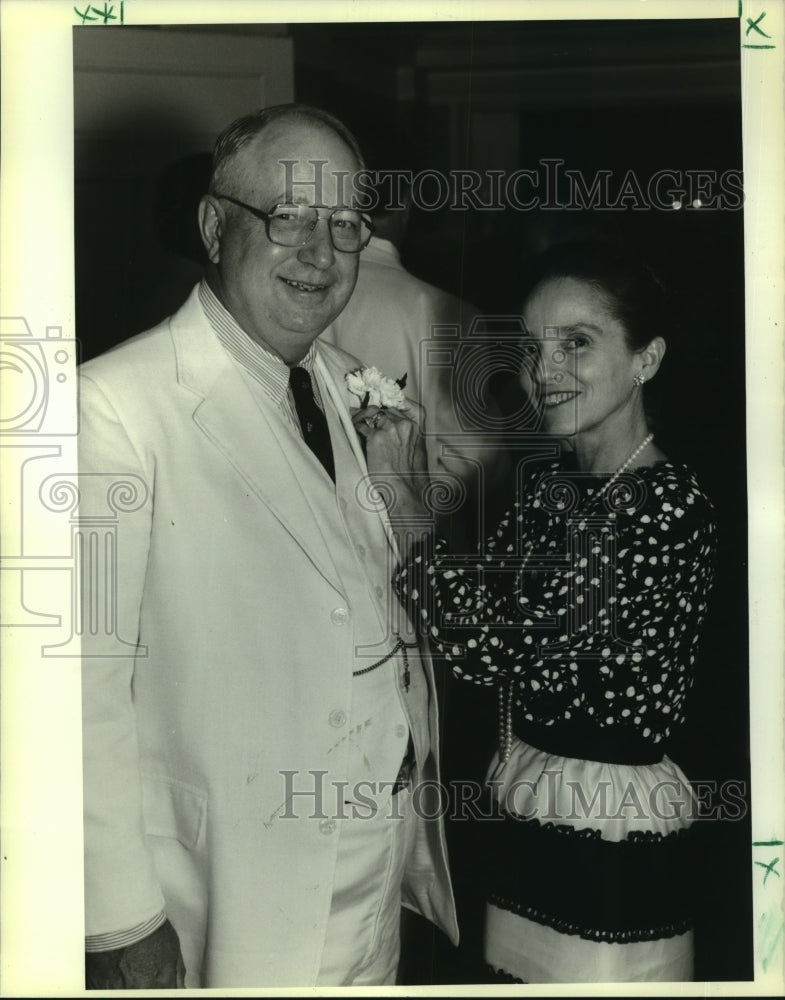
pixel 584 611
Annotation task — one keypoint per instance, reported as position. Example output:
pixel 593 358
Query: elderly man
pixel 257 770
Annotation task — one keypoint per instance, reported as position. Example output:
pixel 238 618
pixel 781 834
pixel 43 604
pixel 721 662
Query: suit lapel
pixel 331 367
pixel 256 443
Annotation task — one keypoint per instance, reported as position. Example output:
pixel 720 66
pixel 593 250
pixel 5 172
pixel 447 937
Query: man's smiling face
pixel 283 297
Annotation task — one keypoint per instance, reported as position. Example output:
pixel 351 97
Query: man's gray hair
pixel 243 129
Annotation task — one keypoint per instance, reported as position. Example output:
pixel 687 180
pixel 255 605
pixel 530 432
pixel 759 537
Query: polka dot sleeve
pixel 597 618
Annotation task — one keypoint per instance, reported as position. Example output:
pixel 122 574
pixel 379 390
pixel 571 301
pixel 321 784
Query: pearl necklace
pixel 506 692
pixel 622 468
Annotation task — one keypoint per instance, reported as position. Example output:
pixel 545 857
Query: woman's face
pixel 581 369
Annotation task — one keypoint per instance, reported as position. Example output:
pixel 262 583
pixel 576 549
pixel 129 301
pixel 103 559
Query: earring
pixel 639 379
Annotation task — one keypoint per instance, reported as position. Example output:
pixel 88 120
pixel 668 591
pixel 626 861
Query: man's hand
pixel 154 963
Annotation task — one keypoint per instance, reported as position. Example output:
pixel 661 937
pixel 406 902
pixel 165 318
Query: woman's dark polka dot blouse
pixel 595 612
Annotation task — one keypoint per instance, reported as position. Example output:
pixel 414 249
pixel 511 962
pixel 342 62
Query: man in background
pixel 397 322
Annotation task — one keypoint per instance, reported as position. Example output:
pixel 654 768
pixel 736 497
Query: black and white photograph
pixel 396 534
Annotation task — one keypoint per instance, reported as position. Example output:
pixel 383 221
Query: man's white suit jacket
pixel 228 585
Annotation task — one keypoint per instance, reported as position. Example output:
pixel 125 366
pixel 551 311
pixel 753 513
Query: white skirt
pixel 590 879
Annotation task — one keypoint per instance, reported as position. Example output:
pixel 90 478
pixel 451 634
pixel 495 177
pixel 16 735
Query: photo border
pixel 42 938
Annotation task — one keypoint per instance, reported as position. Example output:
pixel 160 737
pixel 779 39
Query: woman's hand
pixel 395 453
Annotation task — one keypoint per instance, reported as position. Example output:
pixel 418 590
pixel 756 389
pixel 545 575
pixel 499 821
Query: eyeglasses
pixel 293 225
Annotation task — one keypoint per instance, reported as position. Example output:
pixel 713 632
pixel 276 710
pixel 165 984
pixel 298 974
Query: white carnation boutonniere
pixel 374 389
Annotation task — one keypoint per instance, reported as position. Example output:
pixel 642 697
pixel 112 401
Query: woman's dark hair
pixel 634 294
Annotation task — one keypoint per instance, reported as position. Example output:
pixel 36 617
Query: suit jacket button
pixel 339 616
pixel 337 718
pixel 327 826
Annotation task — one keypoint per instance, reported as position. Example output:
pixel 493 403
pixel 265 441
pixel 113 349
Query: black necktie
pixel 312 421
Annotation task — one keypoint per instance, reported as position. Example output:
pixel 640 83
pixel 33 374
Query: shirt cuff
pixel 121 939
